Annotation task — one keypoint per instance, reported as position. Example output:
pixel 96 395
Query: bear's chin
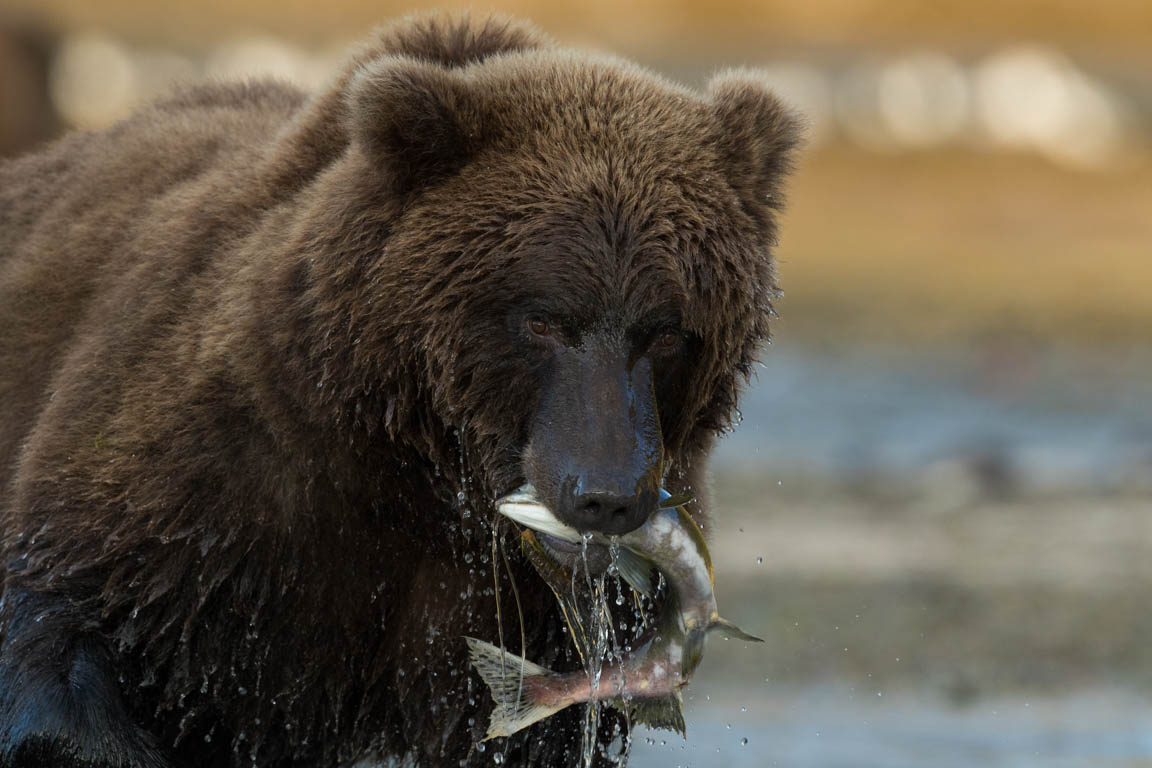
pixel 590 557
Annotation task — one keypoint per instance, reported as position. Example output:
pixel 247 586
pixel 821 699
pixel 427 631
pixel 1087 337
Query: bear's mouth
pixel 568 561
pixel 590 556
pixel 566 545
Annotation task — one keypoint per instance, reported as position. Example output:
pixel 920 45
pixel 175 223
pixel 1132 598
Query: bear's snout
pixel 610 513
pixel 596 449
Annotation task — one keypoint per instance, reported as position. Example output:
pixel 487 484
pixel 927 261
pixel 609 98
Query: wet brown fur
pixel 253 344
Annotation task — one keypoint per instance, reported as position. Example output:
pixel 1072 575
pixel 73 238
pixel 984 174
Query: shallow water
pixel 841 727
pixel 1052 419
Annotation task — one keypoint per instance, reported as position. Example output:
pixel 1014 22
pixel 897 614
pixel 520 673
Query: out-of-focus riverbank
pixel 946 549
pixel 1011 633
pixel 1029 595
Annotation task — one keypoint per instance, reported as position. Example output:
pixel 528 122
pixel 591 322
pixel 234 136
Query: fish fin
pixel 675 500
pixel 693 651
pixel 666 712
pixel 732 631
pixel 694 642
pixel 636 570
pixel 509 679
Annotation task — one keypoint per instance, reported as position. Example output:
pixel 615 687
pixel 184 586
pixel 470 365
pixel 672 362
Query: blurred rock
pixel 26 113
pixel 924 100
pixel 1035 98
pixel 94 81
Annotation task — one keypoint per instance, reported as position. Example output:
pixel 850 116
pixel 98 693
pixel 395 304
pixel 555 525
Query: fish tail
pixel 513 682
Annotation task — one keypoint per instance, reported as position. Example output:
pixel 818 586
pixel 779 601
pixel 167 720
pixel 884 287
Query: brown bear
pixel 267 361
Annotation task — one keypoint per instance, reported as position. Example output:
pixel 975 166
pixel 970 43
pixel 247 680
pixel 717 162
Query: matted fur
pixel 258 385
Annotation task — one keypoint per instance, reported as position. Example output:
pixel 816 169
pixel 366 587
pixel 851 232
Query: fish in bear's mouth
pixel 647 682
pixel 564 544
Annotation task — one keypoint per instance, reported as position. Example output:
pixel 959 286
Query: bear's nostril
pixel 607 513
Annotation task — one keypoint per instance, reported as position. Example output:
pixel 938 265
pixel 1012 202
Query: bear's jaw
pixel 566 545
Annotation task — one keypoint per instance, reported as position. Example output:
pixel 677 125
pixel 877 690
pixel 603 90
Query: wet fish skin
pixel 648 682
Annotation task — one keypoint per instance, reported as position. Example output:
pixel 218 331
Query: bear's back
pixel 80 217
pixel 97 226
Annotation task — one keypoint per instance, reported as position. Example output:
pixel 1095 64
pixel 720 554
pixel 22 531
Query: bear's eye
pixel 667 340
pixel 539 326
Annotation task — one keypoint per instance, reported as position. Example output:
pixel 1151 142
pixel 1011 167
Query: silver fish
pixel 648 682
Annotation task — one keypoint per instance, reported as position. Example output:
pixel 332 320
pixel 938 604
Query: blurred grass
pixel 919 245
pixel 1116 26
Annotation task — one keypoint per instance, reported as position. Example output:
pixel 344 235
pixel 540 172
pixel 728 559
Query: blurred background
pixel 937 509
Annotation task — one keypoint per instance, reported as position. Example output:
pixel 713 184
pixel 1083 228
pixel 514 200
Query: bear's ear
pixel 419 121
pixel 758 138
pixel 457 41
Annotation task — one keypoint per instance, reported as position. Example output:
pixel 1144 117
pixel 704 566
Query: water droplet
pixel 759 560
pixel 744 741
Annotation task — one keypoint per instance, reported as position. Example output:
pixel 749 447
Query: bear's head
pixel 562 262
